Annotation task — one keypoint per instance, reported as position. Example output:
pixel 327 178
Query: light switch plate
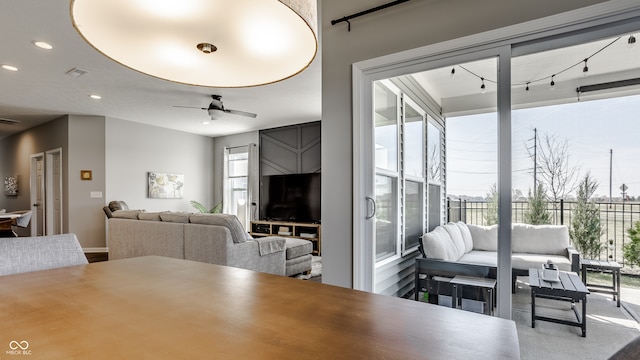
pixel 96 194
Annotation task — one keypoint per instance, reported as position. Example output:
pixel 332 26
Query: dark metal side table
pixel 605 266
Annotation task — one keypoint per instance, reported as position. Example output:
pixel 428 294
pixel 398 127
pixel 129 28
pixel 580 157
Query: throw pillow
pixel 176 217
pixel 466 236
pixel 149 216
pixel 484 237
pixel 126 214
pixel 231 222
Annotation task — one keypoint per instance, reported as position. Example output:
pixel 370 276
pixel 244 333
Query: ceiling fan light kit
pixel 213 43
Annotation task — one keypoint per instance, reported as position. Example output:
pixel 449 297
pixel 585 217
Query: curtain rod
pixel 365 12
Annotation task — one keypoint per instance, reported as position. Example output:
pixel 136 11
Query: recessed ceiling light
pixel 95 97
pixel 9 67
pixel 43 45
pixel 205 122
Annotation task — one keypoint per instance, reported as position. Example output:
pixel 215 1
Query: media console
pixel 307 231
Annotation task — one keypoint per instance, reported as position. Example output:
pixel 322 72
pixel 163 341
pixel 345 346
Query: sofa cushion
pixel 298 247
pixel 231 222
pixel 149 216
pixel 540 239
pixel 176 217
pixel 525 261
pixel 484 237
pixel 437 245
pixel 456 237
pixel 489 258
pixel 126 214
pixel 466 236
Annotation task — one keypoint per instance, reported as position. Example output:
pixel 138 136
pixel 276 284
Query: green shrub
pixel 586 230
pixel 632 249
pixel 538 213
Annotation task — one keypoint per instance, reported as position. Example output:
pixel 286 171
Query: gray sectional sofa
pixel 211 238
pixel 532 246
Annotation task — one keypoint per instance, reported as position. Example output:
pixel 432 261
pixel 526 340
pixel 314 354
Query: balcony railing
pixel 615 218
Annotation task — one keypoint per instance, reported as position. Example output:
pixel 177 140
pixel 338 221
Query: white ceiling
pixel 461 94
pixel 40 91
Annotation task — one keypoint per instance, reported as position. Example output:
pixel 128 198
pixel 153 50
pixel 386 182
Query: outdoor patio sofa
pixel 470 245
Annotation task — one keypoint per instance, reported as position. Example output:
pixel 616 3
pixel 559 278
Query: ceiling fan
pixel 8 121
pixel 216 109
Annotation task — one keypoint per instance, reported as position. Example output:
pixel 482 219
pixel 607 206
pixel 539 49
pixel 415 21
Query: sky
pixel 591 128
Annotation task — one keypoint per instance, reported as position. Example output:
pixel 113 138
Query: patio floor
pixel 608 327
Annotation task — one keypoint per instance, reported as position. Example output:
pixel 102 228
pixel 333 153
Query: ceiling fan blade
pixel 190 107
pixel 8 121
pixel 241 113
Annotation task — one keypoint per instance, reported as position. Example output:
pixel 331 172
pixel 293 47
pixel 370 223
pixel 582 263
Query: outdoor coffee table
pixel 608 266
pixel 569 288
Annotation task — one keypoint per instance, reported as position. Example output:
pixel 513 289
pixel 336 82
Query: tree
pixel 632 248
pixel 552 162
pixel 491 215
pixel 538 213
pixel 586 230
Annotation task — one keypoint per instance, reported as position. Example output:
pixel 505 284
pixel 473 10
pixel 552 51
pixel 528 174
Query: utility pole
pixel 610 174
pixel 535 161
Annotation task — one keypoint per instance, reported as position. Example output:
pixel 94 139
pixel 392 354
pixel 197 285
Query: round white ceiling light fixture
pixel 213 43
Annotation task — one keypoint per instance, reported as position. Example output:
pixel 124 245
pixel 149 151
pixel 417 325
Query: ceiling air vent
pixel 8 121
pixel 76 72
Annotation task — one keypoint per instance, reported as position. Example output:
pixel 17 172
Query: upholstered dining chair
pixel 24 219
pixel 26 254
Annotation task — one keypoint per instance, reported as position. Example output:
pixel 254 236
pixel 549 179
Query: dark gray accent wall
pixel 291 149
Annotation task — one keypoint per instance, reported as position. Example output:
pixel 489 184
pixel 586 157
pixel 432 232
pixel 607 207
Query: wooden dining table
pixel 6 220
pixel 163 308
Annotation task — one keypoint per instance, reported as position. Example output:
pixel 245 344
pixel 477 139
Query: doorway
pixel 496 44
pixel 46 193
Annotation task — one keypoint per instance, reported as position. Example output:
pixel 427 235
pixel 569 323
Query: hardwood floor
pixel 96 257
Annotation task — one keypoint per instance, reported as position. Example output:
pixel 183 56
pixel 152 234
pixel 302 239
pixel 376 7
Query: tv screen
pixel 292 197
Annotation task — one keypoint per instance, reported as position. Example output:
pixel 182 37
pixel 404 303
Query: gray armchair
pixel 26 254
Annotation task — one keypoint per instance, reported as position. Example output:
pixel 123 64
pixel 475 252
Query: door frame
pixel 50 190
pixel 33 190
pixel 607 18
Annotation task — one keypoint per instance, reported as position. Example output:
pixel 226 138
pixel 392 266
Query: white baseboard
pixel 91 250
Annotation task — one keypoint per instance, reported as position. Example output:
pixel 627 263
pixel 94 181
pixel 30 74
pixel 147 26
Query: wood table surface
pixel 161 308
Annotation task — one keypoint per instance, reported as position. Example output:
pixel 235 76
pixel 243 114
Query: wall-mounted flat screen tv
pixel 292 197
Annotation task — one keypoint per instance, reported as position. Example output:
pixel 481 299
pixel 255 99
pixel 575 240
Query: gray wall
pixel 15 156
pixel 406 26
pixel 81 139
pixel 86 151
pixel 134 149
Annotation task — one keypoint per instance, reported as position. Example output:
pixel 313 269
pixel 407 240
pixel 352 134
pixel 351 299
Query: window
pixel 240 183
pixel 401 164
pixel 434 175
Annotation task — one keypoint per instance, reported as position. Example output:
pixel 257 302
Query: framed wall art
pixel 11 185
pixel 165 185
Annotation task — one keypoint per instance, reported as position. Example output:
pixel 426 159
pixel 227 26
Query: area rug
pixel 316 269
pixel 608 328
